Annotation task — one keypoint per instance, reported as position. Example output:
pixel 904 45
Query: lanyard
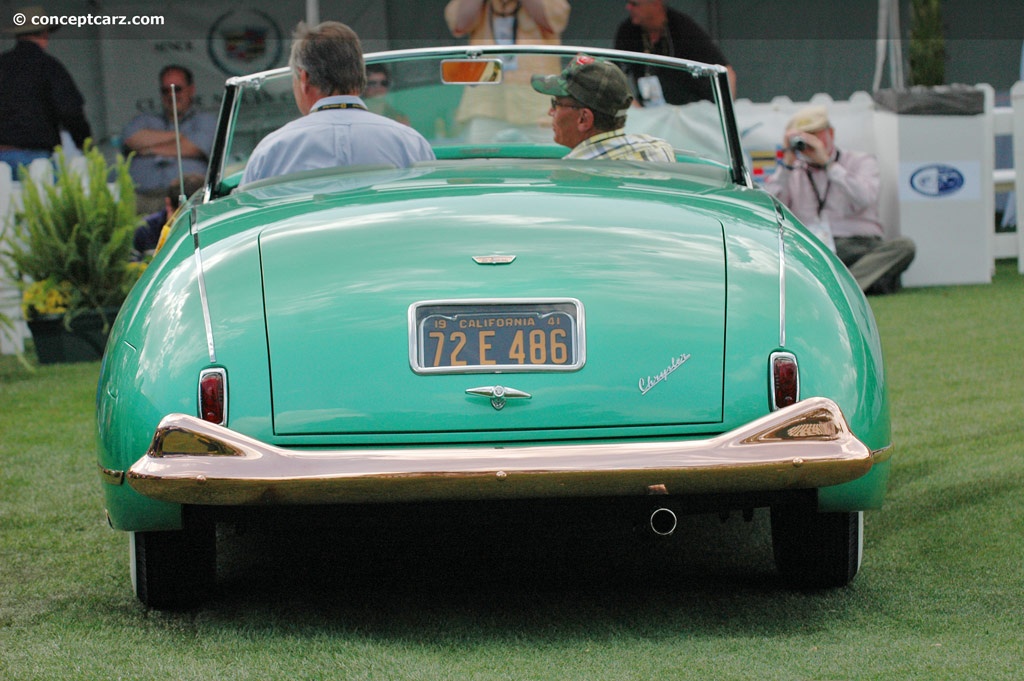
pixel 665 41
pixel 512 14
pixel 663 46
pixel 343 104
pixel 508 13
pixel 821 197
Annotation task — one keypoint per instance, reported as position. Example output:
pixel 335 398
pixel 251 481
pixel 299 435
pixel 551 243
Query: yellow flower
pixel 46 297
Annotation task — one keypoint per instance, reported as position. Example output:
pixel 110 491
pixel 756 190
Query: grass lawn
pixel 940 596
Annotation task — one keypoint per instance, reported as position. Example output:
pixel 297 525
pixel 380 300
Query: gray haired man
pixel 336 128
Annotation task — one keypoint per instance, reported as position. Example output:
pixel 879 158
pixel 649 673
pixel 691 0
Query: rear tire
pixel 817 550
pixel 173 569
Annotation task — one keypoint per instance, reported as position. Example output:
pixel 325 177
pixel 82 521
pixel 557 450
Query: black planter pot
pixel 84 342
pixel 939 100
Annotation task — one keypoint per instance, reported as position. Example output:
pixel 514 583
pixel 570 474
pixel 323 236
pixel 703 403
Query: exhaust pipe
pixel 662 522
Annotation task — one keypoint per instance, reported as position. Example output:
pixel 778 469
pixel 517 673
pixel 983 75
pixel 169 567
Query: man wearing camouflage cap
pixel 589 102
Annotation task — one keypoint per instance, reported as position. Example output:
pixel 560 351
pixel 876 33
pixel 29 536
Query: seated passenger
pixel 378 84
pixel 589 102
pixel 150 235
pixel 336 128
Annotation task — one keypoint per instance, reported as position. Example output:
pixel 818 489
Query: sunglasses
pixel 555 104
pixel 378 83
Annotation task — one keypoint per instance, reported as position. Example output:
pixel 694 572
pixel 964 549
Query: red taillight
pixel 785 377
pixel 213 393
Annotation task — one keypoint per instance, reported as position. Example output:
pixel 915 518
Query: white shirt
pixel 338 131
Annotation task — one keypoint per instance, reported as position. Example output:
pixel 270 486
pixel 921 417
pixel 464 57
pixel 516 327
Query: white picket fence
pixel 1009 120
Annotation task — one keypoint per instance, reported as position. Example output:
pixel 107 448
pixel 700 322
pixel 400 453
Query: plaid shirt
pixel 620 146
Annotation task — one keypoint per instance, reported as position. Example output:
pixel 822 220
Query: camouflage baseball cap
pixel 595 83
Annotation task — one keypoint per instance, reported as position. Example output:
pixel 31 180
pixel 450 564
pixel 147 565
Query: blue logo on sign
pixel 937 180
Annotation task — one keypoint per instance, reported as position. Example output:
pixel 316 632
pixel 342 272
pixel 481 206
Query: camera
pixel 797 144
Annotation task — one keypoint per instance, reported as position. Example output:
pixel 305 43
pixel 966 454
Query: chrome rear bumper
pixel 806 445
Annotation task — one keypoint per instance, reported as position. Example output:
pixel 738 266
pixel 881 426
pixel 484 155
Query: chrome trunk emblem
pixel 493 259
pixel 498 394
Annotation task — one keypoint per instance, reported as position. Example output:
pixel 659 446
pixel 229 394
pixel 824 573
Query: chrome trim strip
pixel 110 476
pixel 782 279
pixel 476 51
pixel 804 446
pixel 494 259
pixel 734 147
pixel 882 454
pixel 718 75
pixel 204 300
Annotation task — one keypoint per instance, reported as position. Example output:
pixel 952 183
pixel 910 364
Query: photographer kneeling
pixel 835 192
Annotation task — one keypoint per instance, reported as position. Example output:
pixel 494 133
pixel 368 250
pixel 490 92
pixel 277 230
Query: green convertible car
pixel 500 325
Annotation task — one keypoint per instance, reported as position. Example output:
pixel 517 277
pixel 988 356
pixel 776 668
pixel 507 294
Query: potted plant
pixel 927 44
pixel 68 250
pixel 928 94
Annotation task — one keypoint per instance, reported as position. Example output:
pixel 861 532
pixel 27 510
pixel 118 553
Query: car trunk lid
pixel 343 286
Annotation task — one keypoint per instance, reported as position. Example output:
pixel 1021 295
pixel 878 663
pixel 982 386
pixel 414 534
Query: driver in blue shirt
pixel 336 128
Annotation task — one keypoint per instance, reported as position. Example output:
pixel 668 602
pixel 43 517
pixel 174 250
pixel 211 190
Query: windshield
pixel 478 103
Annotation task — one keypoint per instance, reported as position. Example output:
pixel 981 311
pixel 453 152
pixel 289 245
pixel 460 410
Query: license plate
pixel 496 336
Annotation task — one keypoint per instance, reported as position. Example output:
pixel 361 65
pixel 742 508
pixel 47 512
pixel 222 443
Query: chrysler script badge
pixel 498 394
pixel 493 259
pixel 647 383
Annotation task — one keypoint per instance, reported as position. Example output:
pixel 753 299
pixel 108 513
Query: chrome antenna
pixel 177 142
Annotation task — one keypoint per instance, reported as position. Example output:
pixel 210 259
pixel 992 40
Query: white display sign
pixel 940 180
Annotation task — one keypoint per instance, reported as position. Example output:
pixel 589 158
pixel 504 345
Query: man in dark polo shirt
pixel 654 28
pixel 37 95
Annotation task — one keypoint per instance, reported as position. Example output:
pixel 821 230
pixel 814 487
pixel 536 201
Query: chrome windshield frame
pixel 717 74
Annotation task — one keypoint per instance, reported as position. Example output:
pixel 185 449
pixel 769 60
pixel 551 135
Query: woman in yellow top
pixel 515 107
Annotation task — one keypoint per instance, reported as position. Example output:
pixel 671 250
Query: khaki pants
pixel 876 264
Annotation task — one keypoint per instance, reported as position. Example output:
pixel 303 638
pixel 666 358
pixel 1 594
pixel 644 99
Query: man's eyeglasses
pixel 555 104
pixel 378 83
pixel 167 90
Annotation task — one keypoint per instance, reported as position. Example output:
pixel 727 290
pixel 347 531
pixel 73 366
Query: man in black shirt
pixel 656 29
pixel 38 97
